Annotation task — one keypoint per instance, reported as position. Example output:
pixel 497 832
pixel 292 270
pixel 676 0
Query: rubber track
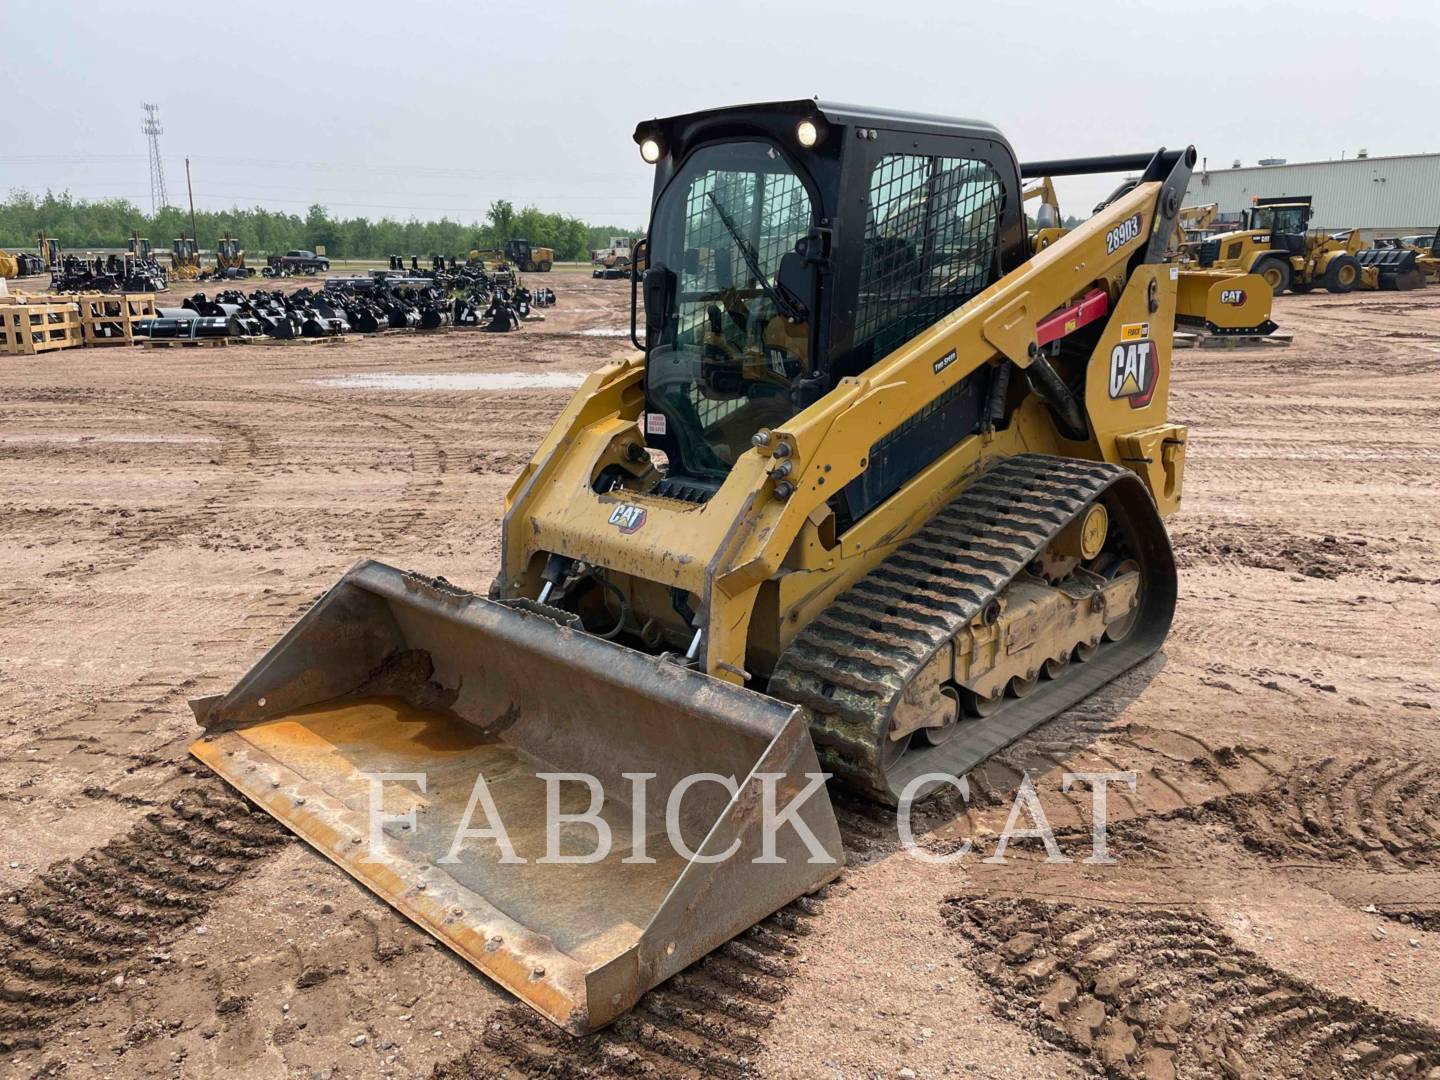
pixel 849 667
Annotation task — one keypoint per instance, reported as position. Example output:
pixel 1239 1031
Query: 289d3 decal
pixel 1122 234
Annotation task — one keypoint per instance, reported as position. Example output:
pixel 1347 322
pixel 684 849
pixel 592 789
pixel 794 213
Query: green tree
pixel 501 217
pixel 81 225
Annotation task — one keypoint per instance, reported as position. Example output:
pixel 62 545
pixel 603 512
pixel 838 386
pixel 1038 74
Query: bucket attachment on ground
pixel 1224 302
pixel 1399 271
pixel 393 677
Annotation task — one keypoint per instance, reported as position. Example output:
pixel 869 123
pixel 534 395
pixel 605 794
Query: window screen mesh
pixel 930 244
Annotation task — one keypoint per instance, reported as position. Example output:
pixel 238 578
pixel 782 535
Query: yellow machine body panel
pixel 1224 302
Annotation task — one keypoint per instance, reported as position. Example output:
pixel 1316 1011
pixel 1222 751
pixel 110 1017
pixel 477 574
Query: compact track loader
pixel 882 489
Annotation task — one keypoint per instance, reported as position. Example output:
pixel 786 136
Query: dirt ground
pixel 1274 906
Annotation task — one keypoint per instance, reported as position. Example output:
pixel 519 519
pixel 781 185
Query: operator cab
pixel 1286 221
pixel 793 244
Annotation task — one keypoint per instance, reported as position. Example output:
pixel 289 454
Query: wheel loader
pixel 529 258
pixel 1278 244
pixel 882 489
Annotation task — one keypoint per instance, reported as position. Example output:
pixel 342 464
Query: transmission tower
pixel 152 128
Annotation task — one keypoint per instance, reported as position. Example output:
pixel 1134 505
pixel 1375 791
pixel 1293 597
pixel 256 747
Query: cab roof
pixel 834 113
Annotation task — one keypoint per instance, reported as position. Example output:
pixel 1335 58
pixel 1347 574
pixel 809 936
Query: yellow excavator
pixel 882 489
pixel 1194 221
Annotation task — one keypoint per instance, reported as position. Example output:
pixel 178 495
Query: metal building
pixel 1378 195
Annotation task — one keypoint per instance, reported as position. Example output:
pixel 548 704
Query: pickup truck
pixel 298 262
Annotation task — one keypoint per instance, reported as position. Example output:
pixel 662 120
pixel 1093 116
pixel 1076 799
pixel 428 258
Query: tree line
pixel 81 224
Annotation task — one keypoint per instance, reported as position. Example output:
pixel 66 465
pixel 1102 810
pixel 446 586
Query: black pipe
pixel 1105 163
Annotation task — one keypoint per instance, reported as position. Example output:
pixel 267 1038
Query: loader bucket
pixel 1397 267
pixel 395 692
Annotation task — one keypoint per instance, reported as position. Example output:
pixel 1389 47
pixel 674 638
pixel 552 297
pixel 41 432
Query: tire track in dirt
pixel 705 1022
pixel 87 920
pixel 696 1033
pixel 248 452
pixel 244 452
pixel 1174 772
pixel 1153 994
pixel 1382 811
pixel 429 462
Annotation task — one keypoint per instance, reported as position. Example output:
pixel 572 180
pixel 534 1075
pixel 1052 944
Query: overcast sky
pixel 425 108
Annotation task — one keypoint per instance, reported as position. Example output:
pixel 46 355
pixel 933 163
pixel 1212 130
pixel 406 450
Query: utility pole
pixel 194 234
pixel 152 129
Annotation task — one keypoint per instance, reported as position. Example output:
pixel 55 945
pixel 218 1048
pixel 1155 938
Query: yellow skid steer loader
pixel 881 490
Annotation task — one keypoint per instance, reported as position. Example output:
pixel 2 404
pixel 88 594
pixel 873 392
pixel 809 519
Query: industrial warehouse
pixel 1381 196
pixel 749 542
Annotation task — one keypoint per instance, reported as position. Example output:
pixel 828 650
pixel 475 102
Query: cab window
pixel 931 236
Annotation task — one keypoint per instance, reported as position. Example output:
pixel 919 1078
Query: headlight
pixel 808 133
pixel 651 149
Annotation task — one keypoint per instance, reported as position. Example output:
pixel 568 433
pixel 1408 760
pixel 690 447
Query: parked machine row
pixel 383 300
pixel 1275 241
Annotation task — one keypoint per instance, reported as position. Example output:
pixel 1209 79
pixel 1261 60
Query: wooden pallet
pixel 31 325
pixel 1186 340
pixel 171 343
pixel 335 340
pixel 114 318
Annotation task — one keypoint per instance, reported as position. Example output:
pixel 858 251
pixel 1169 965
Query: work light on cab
pixel 809 132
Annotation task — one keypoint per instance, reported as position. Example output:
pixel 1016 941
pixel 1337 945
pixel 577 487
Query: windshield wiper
pixel 783 303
